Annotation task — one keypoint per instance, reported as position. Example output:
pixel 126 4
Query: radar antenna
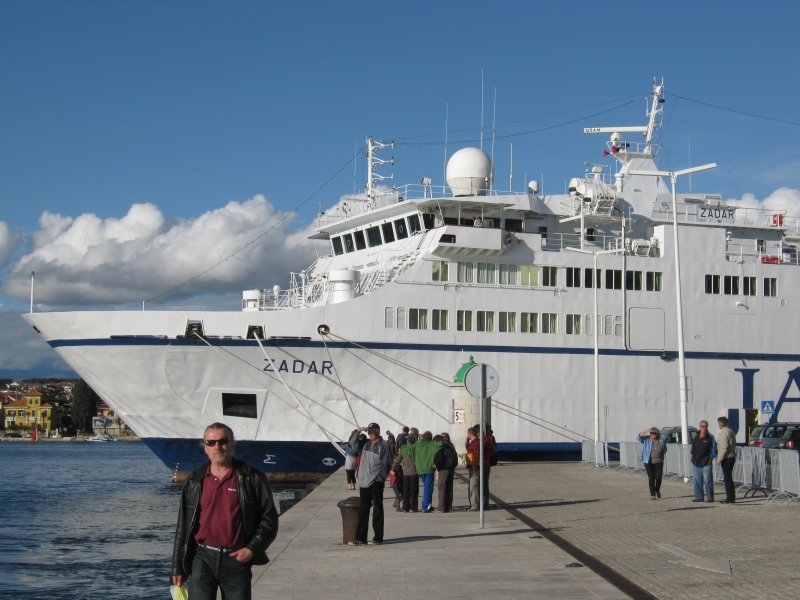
pixel 373 162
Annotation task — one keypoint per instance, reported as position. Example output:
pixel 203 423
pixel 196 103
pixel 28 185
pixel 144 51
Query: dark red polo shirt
pixel 220 519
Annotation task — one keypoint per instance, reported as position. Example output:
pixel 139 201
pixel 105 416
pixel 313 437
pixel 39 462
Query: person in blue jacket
pixel 654 449
pixel 704 451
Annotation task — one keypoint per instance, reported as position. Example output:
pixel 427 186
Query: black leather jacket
pixel 259 516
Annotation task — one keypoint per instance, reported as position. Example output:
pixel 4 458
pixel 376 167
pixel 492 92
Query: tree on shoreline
pixel 84 405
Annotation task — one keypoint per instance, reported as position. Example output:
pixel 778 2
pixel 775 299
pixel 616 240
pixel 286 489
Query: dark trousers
pixel 410 492
pixel 654 473
pixel 370 497
pixel 444 483
pixel 727 476
pixel 211 570
pixel 351 476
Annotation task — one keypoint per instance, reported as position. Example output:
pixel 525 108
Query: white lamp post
pixel 595 281
pixel 673 175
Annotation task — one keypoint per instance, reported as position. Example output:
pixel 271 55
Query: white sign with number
pixel 459 415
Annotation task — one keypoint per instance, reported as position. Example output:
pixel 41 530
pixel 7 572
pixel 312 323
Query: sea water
pixel 81 521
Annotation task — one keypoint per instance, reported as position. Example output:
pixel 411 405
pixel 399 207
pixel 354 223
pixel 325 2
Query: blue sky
pixel 189 106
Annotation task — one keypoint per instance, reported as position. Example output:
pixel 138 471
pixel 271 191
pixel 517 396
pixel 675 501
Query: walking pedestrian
pixel 373 470
pixel 226 521
pixel 653 450
pixel 726 458
pixel 405 463
pixel 704 451
pixel 445 462
pixel 423 452
pixel 474 466
pixel 350 465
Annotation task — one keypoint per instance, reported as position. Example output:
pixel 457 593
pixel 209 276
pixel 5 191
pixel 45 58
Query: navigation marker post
pixel 481 381
pixel 684 396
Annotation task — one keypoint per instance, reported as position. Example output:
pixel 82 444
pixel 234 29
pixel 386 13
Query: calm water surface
pixel 85 521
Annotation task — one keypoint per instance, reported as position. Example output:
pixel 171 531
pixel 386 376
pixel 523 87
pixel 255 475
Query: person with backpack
pixel 423 452
pixel 445 462
pixel 474 465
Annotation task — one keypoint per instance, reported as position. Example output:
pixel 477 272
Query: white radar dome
pixel 469 172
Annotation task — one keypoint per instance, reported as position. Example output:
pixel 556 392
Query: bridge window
pixel 440 270
pixel 730 285
pixel 712 284
pixel 361 244
pixel 388 233
pixel 239 405
pixel 464 274
pixel 549 323
pixel 653 281
pixel 440 320
pixel 549 276
pixel 348 243
pixel 514 225
pixel 401 229
pixel 508 274
pixel 633 280
pixel 464 320
pixel 413 224
pixel 574 277
pixel 529 322
pixel 761 246
pixel 417 318
pixel 613 279
pixel 337 246
pixel 374 236
pixel 749 286
pixel 428 220
pixel 589 278
pixel 770 287
pixel 486 272
pixel 573 324
pixel 507 322
pixel 485 320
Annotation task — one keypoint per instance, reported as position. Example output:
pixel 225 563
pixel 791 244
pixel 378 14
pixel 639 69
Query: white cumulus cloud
pixel 784 198
pixel 9 240
pixel 89 260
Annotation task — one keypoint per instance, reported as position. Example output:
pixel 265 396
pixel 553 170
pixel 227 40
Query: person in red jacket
pixel 473 450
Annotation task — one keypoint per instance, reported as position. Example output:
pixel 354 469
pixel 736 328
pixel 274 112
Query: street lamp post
pixel 673 175
pixel 595 281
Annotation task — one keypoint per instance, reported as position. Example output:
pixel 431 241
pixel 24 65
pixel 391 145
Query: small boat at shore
pixel 100 437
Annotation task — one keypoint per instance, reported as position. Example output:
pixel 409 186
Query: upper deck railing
pixel 358 205
pixel 693 212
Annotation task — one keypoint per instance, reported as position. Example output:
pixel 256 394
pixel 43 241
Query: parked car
pixel 673 434
pixel 769 435
pixel 791 439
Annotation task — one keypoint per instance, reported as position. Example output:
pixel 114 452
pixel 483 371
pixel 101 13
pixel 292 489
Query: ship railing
pixel 573 205
pixel 359 204
pixel 555 242
pixel 623 147
pixel 719 213
pixel 761 251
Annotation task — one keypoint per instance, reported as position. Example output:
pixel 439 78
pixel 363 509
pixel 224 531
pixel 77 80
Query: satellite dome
pixel 469 172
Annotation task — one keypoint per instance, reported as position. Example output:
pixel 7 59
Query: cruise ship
pixel 421 279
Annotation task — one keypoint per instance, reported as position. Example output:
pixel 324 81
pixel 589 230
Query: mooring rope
pixel 335 370
pixel 278 396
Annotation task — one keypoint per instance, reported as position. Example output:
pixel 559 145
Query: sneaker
pixel 710 500
pixel 355 543
pixel 652 497
pixel 699 500
pixel 658 494
pixel 374 543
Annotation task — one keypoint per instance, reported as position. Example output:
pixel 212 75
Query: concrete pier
pixel 548 516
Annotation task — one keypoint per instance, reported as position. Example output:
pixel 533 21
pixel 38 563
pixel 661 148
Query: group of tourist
pixel 704 450
pixel 404 460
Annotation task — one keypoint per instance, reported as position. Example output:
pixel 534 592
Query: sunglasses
pixel 221 442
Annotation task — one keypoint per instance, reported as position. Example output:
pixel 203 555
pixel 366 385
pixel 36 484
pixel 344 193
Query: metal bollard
pixel 349 508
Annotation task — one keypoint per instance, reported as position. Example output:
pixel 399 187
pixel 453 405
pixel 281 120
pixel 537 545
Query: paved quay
pixel 631 546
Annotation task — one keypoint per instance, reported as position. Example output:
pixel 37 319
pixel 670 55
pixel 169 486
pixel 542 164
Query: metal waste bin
pixel 349 508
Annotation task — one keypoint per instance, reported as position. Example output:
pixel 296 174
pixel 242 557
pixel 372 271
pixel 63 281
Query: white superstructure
pixel 419 278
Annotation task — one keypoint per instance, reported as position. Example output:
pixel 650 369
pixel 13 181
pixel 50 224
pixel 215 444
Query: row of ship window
pixel 545 276
pixel 733 285
pixel 385 233
pixel 503 322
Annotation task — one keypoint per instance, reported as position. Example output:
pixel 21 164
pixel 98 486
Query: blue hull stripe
pixel 423 347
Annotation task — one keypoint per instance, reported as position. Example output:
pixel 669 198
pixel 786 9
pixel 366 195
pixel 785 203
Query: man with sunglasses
pixel 227 519
pixel 704 451
pixel 373 469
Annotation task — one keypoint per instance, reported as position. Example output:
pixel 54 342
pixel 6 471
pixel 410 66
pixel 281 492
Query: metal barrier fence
pixel 591 456
pixel 773 472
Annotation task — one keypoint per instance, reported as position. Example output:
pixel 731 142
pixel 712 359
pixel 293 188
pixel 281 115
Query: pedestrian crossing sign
pixel 767 407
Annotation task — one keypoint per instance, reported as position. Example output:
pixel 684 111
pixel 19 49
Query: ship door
pixel 645 328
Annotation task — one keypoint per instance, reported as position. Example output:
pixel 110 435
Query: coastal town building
pixel 108 422
pixel 30 412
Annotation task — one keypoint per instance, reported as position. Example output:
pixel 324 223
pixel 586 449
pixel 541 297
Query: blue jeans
pixel 703 479
pixel 427 492
pixel 211 570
